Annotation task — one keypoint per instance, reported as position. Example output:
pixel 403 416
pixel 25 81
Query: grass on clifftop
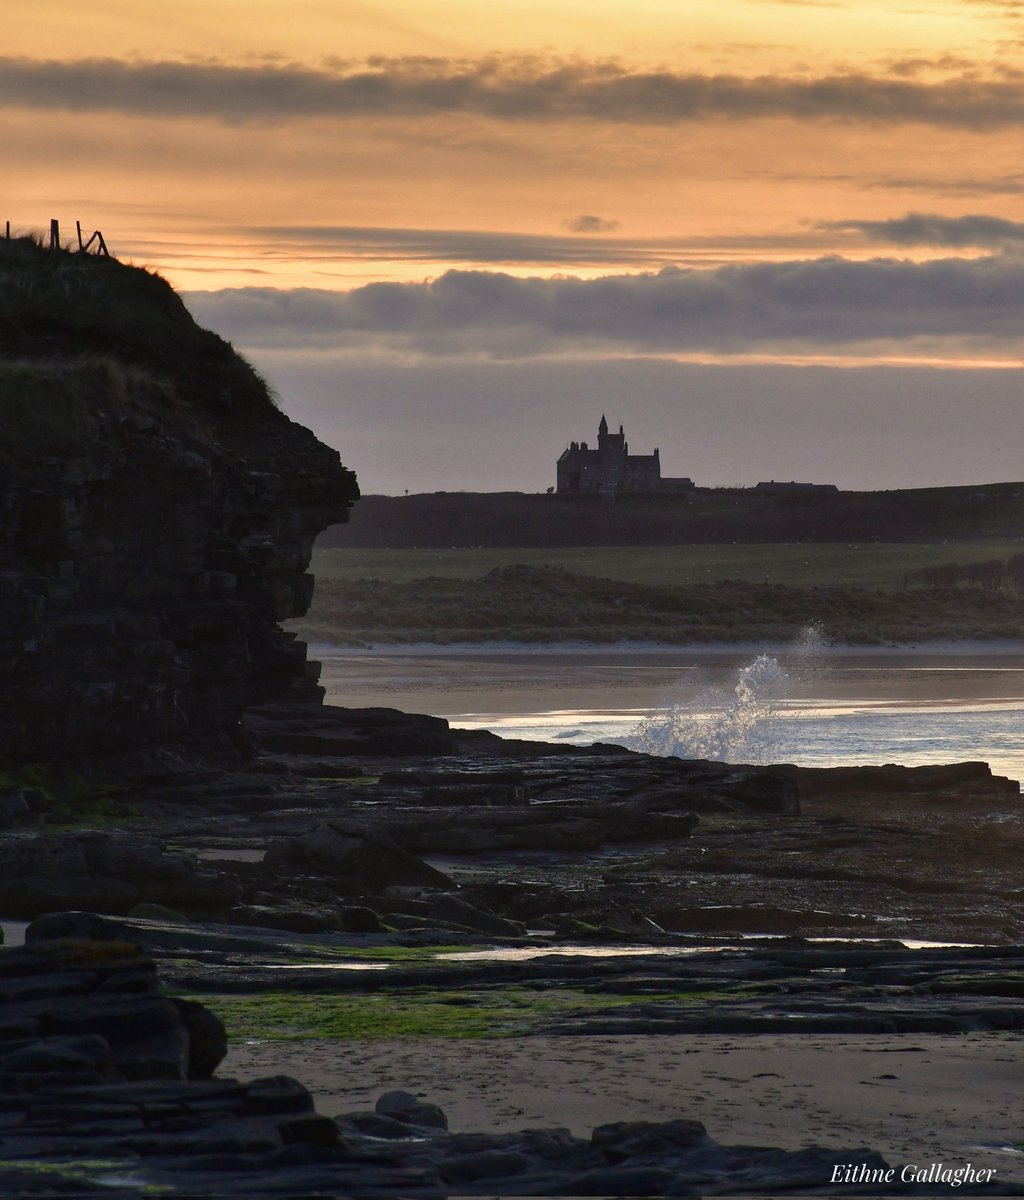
pixel 65 308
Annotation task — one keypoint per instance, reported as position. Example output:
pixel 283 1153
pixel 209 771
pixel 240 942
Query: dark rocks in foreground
pixel 321 730
pixel 772 986
pixel 586 842
pixel 94 1097
pixel 104 872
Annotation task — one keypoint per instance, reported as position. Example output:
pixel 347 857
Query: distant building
pixel 774 488
pixel 611 467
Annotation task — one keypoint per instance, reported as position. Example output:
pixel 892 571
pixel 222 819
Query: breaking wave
pixel 734 722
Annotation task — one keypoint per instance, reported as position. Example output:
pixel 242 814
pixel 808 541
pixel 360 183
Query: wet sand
pixel 915 1099
pixel 820 707
pixel 453 684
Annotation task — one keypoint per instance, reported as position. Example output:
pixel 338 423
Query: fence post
pixel 78 229
pixel 54 234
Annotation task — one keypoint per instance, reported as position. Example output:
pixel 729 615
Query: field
pixel 859 594
pixel 710 516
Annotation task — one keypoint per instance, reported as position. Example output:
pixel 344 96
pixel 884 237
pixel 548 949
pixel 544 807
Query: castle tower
pixel 610 468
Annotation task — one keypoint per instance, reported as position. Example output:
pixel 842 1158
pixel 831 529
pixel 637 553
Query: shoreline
pixel 808 705
pixel 977 647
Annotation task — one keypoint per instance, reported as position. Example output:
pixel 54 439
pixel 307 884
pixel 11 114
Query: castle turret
pixel 609 468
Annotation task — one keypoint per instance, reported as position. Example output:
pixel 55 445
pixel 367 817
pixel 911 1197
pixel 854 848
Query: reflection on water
pixel 521 953
pixel 815 734
pixel 352 965
pixel 811 704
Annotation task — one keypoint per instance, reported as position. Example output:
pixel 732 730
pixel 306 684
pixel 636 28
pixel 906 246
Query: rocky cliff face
pixel 157 514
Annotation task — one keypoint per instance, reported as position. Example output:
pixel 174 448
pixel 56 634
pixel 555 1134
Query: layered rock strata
pixel 329 831
pixel 157 514
pixel 106 1087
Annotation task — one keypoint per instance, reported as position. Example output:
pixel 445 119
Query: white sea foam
pixel 734 722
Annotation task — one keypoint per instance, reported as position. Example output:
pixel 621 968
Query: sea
pixel 810 702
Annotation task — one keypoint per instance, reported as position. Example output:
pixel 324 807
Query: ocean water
pixel 810 703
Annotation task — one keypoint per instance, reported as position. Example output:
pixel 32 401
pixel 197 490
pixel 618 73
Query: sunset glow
pixel 826 184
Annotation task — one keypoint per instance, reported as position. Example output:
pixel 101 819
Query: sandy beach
pixel 913 1098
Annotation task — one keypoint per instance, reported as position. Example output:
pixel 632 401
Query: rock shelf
pixel 353 844
pixel 98 1096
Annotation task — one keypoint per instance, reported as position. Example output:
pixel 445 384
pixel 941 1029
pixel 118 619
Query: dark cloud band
pixel 508 89
pixel 502 247
pixel 932 229
pixel 814 304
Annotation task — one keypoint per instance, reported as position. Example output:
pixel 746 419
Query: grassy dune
pixel 677 595
pixel 801 564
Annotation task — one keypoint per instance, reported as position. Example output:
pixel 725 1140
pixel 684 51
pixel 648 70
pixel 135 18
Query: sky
pixel 777 239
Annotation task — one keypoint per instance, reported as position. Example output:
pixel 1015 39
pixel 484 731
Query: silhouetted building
pixel 611 467
pixel 774 488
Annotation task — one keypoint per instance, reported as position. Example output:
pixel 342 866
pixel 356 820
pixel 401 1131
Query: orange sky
pixel 329 145
pixel 185 189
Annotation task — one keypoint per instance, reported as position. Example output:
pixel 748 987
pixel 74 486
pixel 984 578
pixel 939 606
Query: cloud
pixel 341 243
pixel 997 185
pixel 588 223
pixel 468 245
pixel 932 229
pixel 815 304
pixel 500 88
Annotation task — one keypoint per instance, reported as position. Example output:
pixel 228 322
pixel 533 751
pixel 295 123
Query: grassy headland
pixel 721 516
pixel 76 325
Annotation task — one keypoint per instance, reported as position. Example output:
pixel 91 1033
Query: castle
pixel 611 467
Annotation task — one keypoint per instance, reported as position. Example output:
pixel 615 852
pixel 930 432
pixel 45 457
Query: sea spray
pixel 734 723
pixel 720 723
pixel 813 641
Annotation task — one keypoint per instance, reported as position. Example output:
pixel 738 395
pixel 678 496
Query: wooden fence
pixel 84 244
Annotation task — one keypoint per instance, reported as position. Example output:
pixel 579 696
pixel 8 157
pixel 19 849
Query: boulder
pixel 335 732
pixel 406 1108
pixel 86 926
pixel 360 919
pixel 366 862
pixel 29 896
pixel 456 911
pixel 761 792
pixel 14 809
pixel 207 1037
pixel 202 893
pixel 622 1140
pixel 103 872
pixel 293 920
pixel 754 918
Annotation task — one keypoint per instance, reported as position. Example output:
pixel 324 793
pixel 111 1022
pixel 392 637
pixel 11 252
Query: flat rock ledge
pixel 107 1088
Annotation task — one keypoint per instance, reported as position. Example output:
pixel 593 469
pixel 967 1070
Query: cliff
pixel 157 513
